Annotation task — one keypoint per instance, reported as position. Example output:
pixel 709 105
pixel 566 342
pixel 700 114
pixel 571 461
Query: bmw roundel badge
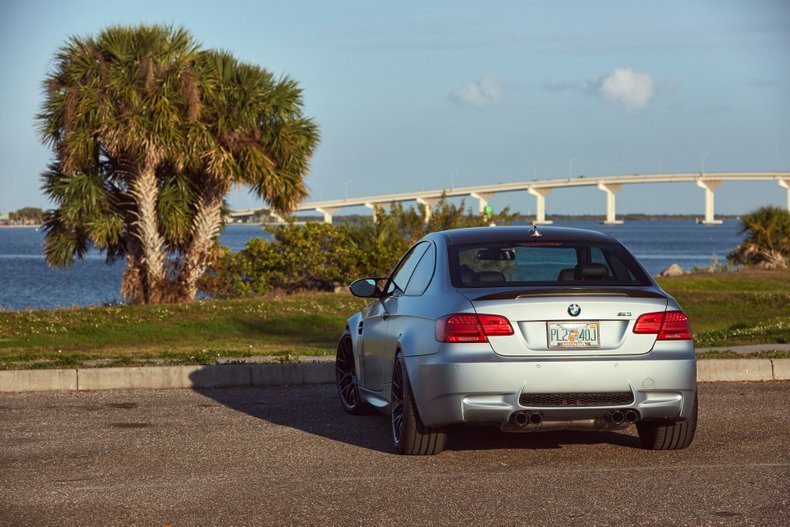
pixel 574 310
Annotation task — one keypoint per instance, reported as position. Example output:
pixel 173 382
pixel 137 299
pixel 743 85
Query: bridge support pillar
pixel 610 189
pixel 372 207
pixel 785 184
pixel 482 200
pixel 540 209
pixel 428 204
pixel 276 217
pixel 708 185
pixel 327 212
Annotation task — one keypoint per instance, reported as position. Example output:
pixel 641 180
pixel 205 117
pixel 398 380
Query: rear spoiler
pixel 513 294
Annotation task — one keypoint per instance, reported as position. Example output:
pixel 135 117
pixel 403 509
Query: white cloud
pixel 632 89
pixel 628 87
pixel 487 91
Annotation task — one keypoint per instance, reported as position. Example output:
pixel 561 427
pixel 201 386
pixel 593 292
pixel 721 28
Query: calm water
pixel 27 282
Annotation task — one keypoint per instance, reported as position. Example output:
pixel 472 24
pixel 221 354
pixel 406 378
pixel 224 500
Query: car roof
pixel 522 233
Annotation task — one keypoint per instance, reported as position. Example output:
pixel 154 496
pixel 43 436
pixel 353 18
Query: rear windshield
pixel 543 263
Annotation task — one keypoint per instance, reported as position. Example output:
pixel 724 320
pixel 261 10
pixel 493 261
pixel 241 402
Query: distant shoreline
pixel 354 218
pixel 520 218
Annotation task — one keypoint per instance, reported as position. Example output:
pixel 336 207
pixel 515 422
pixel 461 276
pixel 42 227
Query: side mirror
pixel 368 287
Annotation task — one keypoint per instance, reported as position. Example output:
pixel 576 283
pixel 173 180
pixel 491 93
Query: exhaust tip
pixel 535 418
pixel 632 416
pixel 519 419
pixel 617 417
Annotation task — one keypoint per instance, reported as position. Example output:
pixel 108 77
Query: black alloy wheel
pixel 409 435
pixel 346 377
pixel 396 403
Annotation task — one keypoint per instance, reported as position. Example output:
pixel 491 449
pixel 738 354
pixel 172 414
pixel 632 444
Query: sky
pixel 427 95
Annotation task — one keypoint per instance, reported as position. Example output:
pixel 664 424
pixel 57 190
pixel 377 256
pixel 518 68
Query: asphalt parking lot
pixel 289 455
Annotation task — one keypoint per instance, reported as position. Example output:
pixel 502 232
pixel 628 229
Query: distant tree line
pixel 26 216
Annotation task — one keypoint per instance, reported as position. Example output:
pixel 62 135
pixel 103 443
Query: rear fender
pixel 418 338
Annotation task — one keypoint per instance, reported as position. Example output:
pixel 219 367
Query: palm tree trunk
pixel 205 228
pixel 132 287
pixel 145 191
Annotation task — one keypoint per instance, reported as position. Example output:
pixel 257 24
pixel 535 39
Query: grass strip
pixel 726 309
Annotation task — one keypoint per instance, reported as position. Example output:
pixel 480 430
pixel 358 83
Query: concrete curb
pixel 223 376
pixel 164 377
pixel 715 370
pixel 37 380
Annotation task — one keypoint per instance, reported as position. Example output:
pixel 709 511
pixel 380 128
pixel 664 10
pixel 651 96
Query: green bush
pixel 767 242
pixel 314 256
pixel 321 257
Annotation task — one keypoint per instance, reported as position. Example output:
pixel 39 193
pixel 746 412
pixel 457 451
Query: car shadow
pixel 311 409
pixel 315 409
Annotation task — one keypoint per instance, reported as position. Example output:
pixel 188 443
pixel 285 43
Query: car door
pixel 379 345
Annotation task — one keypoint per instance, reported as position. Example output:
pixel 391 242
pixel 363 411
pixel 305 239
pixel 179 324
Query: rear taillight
pixel 469 327
pixel 649 323
pixel 669 325
pixel 676 327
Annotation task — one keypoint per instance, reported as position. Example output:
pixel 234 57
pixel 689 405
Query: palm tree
pixel 252 133
pixel 767 240
pixel 114 112
pixel 149 134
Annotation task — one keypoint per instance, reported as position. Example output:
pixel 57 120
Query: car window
pixel 403 271
pixel 422 273
pixel 534 264
pixel 543 263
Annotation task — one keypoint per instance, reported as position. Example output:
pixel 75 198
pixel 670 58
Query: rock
pixel 672 270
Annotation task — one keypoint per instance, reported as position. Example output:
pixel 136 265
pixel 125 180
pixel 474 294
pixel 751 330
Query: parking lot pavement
pixel 275 456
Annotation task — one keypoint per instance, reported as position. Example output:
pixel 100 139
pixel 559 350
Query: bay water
pixel 27 282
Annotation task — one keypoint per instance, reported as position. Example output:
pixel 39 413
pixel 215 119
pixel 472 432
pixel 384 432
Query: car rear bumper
pixel 462 386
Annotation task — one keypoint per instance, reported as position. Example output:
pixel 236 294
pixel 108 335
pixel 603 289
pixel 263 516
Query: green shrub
pixel 321 257
pixel 767 242
pixel 313 256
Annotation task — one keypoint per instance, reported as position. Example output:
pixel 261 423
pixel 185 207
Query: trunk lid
pixel 612 312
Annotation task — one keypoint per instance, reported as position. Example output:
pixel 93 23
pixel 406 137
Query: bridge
pixel 707 181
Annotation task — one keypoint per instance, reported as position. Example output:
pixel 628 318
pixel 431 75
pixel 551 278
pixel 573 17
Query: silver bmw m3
pixel 521 328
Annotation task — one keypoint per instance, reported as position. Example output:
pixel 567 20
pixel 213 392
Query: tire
pixel 409 435
pixel 346 377
pixel 663 435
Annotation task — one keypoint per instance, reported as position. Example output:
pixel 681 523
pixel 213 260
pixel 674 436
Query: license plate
pixel 579 335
